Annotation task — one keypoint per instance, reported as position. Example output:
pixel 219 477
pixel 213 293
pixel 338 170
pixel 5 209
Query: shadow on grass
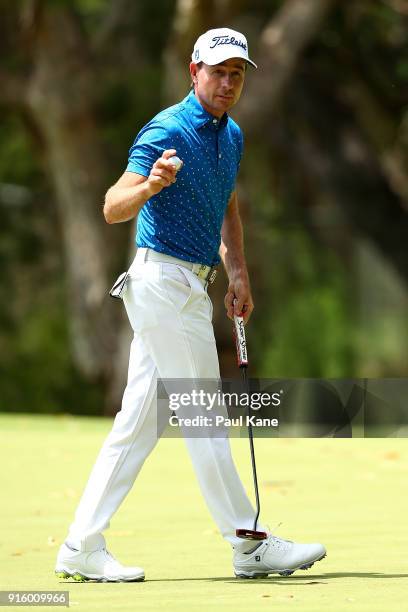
pixel 313 578
pixel 281 580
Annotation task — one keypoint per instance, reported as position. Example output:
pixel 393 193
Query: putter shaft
pixel 242 357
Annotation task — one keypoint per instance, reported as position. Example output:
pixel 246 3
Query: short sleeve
pixel 148 146
pixel 240 147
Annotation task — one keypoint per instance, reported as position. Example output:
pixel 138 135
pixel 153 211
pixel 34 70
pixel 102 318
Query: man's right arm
pixel 124 199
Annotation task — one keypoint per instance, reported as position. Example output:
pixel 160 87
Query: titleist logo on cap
pixel 227 40
pixel 218 45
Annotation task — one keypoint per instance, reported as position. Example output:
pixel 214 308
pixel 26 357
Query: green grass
pixel 348 494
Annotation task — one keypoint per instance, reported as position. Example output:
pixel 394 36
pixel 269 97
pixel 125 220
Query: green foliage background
pixel 309 320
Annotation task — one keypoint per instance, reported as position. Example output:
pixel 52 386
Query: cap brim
pixel 218 58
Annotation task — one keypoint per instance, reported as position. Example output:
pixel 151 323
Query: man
pixel 185 220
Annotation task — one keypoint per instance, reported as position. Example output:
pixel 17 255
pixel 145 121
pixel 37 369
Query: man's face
pixel 218 87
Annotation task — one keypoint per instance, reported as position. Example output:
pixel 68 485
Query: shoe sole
pixel 287 572
pixel 79 577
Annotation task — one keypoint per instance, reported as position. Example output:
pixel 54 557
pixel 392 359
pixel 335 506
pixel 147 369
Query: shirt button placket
pixel 217 144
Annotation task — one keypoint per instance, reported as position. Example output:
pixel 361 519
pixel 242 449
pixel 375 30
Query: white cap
pixel 216 46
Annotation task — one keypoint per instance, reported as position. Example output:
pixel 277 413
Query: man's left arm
pixel 232 255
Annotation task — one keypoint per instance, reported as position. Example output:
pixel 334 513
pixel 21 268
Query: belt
pixel 206 273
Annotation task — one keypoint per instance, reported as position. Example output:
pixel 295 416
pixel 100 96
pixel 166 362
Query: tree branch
pixel 282 43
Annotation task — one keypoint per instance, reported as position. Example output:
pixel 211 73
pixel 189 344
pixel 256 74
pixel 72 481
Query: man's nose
pixel 226 80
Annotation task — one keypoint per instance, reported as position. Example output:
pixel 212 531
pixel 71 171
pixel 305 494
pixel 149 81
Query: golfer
pixel 187 220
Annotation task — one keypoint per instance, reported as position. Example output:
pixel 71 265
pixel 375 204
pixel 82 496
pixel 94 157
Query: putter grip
pixel 240 342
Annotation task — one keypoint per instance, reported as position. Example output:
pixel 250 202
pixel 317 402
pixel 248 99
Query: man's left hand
pixel 238 299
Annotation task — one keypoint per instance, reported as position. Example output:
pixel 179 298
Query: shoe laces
pixel 108 554
pixel 276 541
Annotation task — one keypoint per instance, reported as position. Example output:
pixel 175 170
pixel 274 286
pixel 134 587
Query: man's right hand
pixel 163 172
pixel 127 196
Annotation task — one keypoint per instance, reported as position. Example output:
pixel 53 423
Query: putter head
pixel 250 534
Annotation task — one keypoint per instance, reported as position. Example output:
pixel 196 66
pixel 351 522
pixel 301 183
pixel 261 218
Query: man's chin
pixel 224 104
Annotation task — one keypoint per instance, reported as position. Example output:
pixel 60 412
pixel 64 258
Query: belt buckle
pixel 202 272
pixel 207 273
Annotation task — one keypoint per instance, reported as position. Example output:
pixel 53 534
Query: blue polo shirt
pixel 185 219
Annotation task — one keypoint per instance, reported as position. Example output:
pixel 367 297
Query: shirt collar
pixel 200 116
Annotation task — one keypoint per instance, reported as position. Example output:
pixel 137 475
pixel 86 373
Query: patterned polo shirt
pixel 185 219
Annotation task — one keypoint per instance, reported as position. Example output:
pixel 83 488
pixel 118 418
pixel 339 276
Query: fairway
pixel 348 494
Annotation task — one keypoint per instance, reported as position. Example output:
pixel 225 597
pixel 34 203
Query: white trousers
pixel 170 313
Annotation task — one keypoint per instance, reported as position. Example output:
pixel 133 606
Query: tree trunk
pixel 59 98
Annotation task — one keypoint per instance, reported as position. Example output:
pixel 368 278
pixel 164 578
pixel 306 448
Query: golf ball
pixel 176 161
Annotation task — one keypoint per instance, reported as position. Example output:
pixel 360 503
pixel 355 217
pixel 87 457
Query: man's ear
pixel 193 72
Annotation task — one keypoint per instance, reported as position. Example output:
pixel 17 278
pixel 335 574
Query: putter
pixel 242 356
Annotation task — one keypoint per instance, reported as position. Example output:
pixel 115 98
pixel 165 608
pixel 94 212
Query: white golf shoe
pixel 276 556
pixel 97 565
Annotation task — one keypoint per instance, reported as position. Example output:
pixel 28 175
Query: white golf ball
pixel 176 161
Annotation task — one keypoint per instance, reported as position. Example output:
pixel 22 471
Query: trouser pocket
pixel 177 285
